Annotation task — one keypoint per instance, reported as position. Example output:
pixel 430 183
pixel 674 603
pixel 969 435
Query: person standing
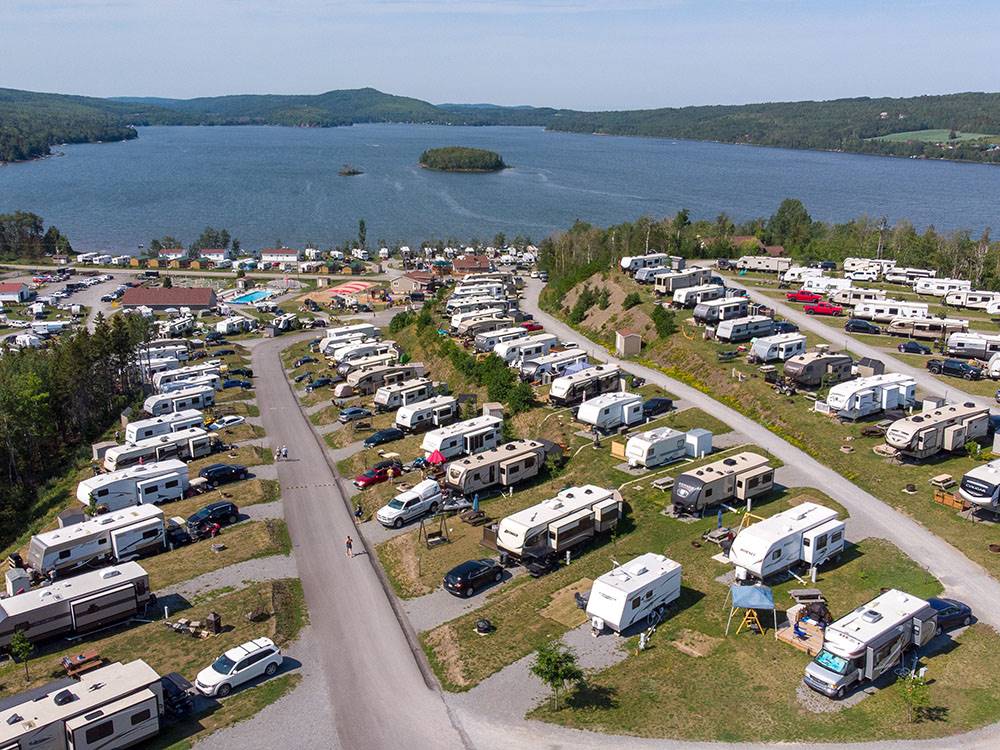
pixel 349 545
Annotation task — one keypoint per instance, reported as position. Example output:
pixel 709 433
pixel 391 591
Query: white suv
pixel 238 665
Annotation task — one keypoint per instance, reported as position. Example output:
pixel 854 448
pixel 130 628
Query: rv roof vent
pixel 63 697
pixel 871 616
pixel 642 571
pixel 109 573
pixel 730 462
pixel 588 491
pixel 969 404
pixel 918 419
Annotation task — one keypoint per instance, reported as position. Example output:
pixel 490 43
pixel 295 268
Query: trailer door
pixel 93 611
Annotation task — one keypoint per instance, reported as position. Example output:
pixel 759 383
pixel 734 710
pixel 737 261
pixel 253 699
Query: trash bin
pixel 214 622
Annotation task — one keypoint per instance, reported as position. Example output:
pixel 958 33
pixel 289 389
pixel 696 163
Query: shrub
pixel 665 322
pixel 631 300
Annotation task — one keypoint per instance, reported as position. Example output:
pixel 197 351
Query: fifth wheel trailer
pixel 373 379
pixel 551 365
pixel 740 477
pixel 504 466
pixel 584 384
pixel 668 283
pixel 713 311
pixel 464 438
pixel 971 299
pixel 487 341
pixel 973 345
pixel 188 444
pixel 377 360
pixel 427 414
pixel 812 369
pixel 155 482
pixel 390 397
pixel 693 296
pixel 610 411
pixel 143 429
pixel 780 347
pixel 863 397
pixel 637 592
pixel 946 428
pixel 188 398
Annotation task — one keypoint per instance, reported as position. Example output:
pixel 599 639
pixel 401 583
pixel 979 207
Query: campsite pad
pixel 693 643
pixel 563 609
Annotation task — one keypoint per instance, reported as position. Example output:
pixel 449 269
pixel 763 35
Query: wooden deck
pixel 810 645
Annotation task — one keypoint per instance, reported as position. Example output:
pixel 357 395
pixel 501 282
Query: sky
pixel 581 54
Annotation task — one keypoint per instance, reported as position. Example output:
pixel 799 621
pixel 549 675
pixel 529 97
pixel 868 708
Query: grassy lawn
pixel 239 408
pixel 351 433
pixel 940 135
pixel 245 431
pixel 325 416
pixel 234 394
pixel 247 455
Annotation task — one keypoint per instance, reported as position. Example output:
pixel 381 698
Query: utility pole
pixel 882 224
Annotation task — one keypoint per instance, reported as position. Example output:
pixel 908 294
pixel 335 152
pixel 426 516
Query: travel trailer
pixel 780 347
pixel 993 308
pixel 717 310
pixel 863 397
pixel 908 276
pixel 107 538
pixel 164 350
pixel 76 605
pixel 609 411
pixel 668 283
pixel 475 326
pixel 800 273
pixel 150 367
pixel 637 592
pixel 972 300
pixel 336 337
pixel 391 397
pixel 736 330
pixel 656 447
pixel 487 341
pixel 693 296
pixel 427 414
pixel 178 420
pixel 870 641
pixel 157 482
pixel 981 486
pixel 885 310
pixel 551 365
pixel 825 284
pixel 632 263
pixel 878 265
pixel 117 706
pixel 740 477
pixel 191 443
pixel 493 289
pixel 232 324
pixel 503 466
pixel 584 384
pixel 285 322
pixel 464 438
pixel 763 264
pixel 211 367
pixel 570 519
pixel 213 381
pixel 465 305
pixel 198 397
pixel 926 328
pixel 648 275
pixel 941 287
pixel 460 319
pixel 946 428
pixel 515 351
pixel 372 379
pixel 361 349
pixel 362 363
pixel 807 535
pixel 851 297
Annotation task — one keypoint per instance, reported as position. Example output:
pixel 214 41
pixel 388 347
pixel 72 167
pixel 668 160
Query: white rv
pixel 391 397
pixel 551 365
pixel 157 482
pixel 570 389
pixel 885 310
pixel 569 519
pixel 343 334
pixel 946 428
pixel 648 275
pixel 852 297
pixel 870 641
pixel 514 351
pixel 191 443
pixel 908 276
pixel 111 537
pixel 164 350
pixel 869 264
pixel 198 397
pixel 503 466
pixel 117 706
pixel 717 310
pixel 493 289
pixel 150 367
pixel 807 534
pixel 973 345
pixel 780 347
pixel 693 296
pixel 232 324
pixel 656 447
pixel 360 349
pixel 609 411
pixel 483 324
pixel 211 367
pixel 466 305
pixel 371 379
pixel 632 263
pixel 743 329
pixel 464 438
pixel 487 342
pixel 375 360
pixel 763 263
pixel 825 284
pixel 941 287
pixel 427 414
pixel 981 486
pixel 668 283
pixel 459 319
pixel 800 273
pixel 76 605
pixel 178 420
pixel 863 397
pixel 637 592
pixel 740 477
pixel 285 322
pixel 212 380
pixel 972 300
pixel 926 328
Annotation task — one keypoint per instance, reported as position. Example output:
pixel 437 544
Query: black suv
pixel 464 579
pixel 656 406
pixel 223 513
pixel 217 474
pixel 858 325
pixel 956 368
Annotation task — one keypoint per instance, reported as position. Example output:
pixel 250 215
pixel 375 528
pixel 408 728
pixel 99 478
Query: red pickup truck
pixel 803 296
pixel 823 308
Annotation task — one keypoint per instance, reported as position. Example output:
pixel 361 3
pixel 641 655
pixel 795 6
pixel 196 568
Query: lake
pixel 267 184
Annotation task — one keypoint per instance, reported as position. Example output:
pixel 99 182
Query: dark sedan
pixel 655 406
pixel 467 578
pixel 223 352
pixel 217 474
pixel 304 361
pixel 235 383
pixel 383 436
pixel 913 347
pixel 784 326
pixel 318 383
pixel 246 372
pixel 951 614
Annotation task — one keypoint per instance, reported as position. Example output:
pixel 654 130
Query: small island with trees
pixel 349 170
pixel 461 159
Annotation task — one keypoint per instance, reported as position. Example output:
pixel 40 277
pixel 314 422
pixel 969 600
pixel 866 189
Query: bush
pixel 603 299
pixel 400 321
pixel 586 300
pixel 665 322
pixel 631 300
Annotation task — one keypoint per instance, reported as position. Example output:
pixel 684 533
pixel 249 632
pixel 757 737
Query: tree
pixel 556 666
pixel 790 225
pixel 167 282
pixel 665 321
pixel 362 233
pixel 500 241
pixel 631 300
pixel 916 695
pixel 20 650
pixel 211 239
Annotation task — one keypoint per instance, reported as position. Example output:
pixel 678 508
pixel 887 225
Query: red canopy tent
pixel 437 458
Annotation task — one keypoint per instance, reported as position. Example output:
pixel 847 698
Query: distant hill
pixel 30 123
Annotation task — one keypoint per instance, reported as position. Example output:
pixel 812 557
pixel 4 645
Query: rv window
pixel 102 493
pixel 836 536
pixel 102 541
pixel 150 489
pixel 766 477
pixel 636 603
pixel 806 542
pixel 529 462
pixel 708 492
pixel 821 541
pixel 171 483
pixel 64 554
pixel 151 534
pixel 140 717
pixel 649 595
pixel 776 554
pixel 754 481
pixel 101 731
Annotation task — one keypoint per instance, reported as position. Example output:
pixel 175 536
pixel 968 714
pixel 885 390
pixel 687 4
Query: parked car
pixel 951 614
pixel 377 474
pixel 223 352
pixel 223 513
pixel 543 275
pixel 217 474
pixel 231 420
pixel 303 376
pixel 213 336
pixel 422 499
pixel 236 383
pixel 256 658
pixel 465 579
pixel 319 383
pixel 913 347
pixel 107 298
pixel 307 360
pixel 823 308
pixel 862 276
pixel 803 296
pixel 858 325
pixel 955 368
pixel 383 436
pixel 530 325
pixel 352 413
pixel 246 372
pixel 784 326
pixel 655 406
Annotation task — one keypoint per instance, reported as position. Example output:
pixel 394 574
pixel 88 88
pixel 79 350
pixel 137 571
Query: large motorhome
pixel 736 330
pixel 551 365
pixel 885 310
pixel 464 438
pixel 157 482
pixel 191 443
pixel 852 297
pixel 637 592
pixel 632 263
pixel 344 369
pixel 515 351
pixel 391 397
pixel 908 276
pixel 800 273
pixel 143 429
pixel 932 329
pixel 973 345
pixel 571 518
pixel 946 428
pixel 372 379
pixel 668 283
pixel 863 397
pixel 487 341
pixel 117 706
pixel 427 414
pixel 870 641
pixel 763 263
pixel 717 310
pixel 778 348
pixel 807 534
pixel 571 389
pixel 111 537
pixel 740 477
pixel 941 287
pixel 972 300
pixel 503 466
pixel 693 296
pixel 812 369
pixel 360 349
pixel 211 367
pixel 76 605
pixel 609 411
pixel 475 326
pixel 824 284
pixel 981 486
pixel 198 397
pixel 657 447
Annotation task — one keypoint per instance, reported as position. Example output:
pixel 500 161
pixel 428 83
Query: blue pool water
pixel 250 297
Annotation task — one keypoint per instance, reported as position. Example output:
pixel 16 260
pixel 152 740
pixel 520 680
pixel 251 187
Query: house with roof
pixel 280 255
pixel 775 251
pixel 172 253
pixel 15 292
pixel 470 264
pixel 214 254
pixel 412 281
pixel 162 298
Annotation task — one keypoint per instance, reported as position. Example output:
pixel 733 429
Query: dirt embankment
pixel 614 317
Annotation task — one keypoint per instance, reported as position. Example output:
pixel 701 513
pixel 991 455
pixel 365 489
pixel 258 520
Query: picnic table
pixel 76 664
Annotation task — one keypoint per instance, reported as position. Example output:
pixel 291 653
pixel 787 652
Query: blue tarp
pixel 576 367
pixel 752 597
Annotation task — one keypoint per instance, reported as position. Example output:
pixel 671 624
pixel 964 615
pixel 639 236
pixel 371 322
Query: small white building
pixel 280 255
pixel 215 255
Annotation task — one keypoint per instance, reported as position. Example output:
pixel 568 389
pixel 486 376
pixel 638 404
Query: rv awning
pixel 752 597
pixel 576 367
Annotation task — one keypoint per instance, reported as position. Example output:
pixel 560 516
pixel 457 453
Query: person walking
pixel 349 545
pixel 284 453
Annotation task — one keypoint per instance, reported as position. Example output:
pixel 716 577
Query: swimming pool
pixel 250 297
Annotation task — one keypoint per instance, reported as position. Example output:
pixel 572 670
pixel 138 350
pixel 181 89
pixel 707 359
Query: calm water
pixel 269 184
